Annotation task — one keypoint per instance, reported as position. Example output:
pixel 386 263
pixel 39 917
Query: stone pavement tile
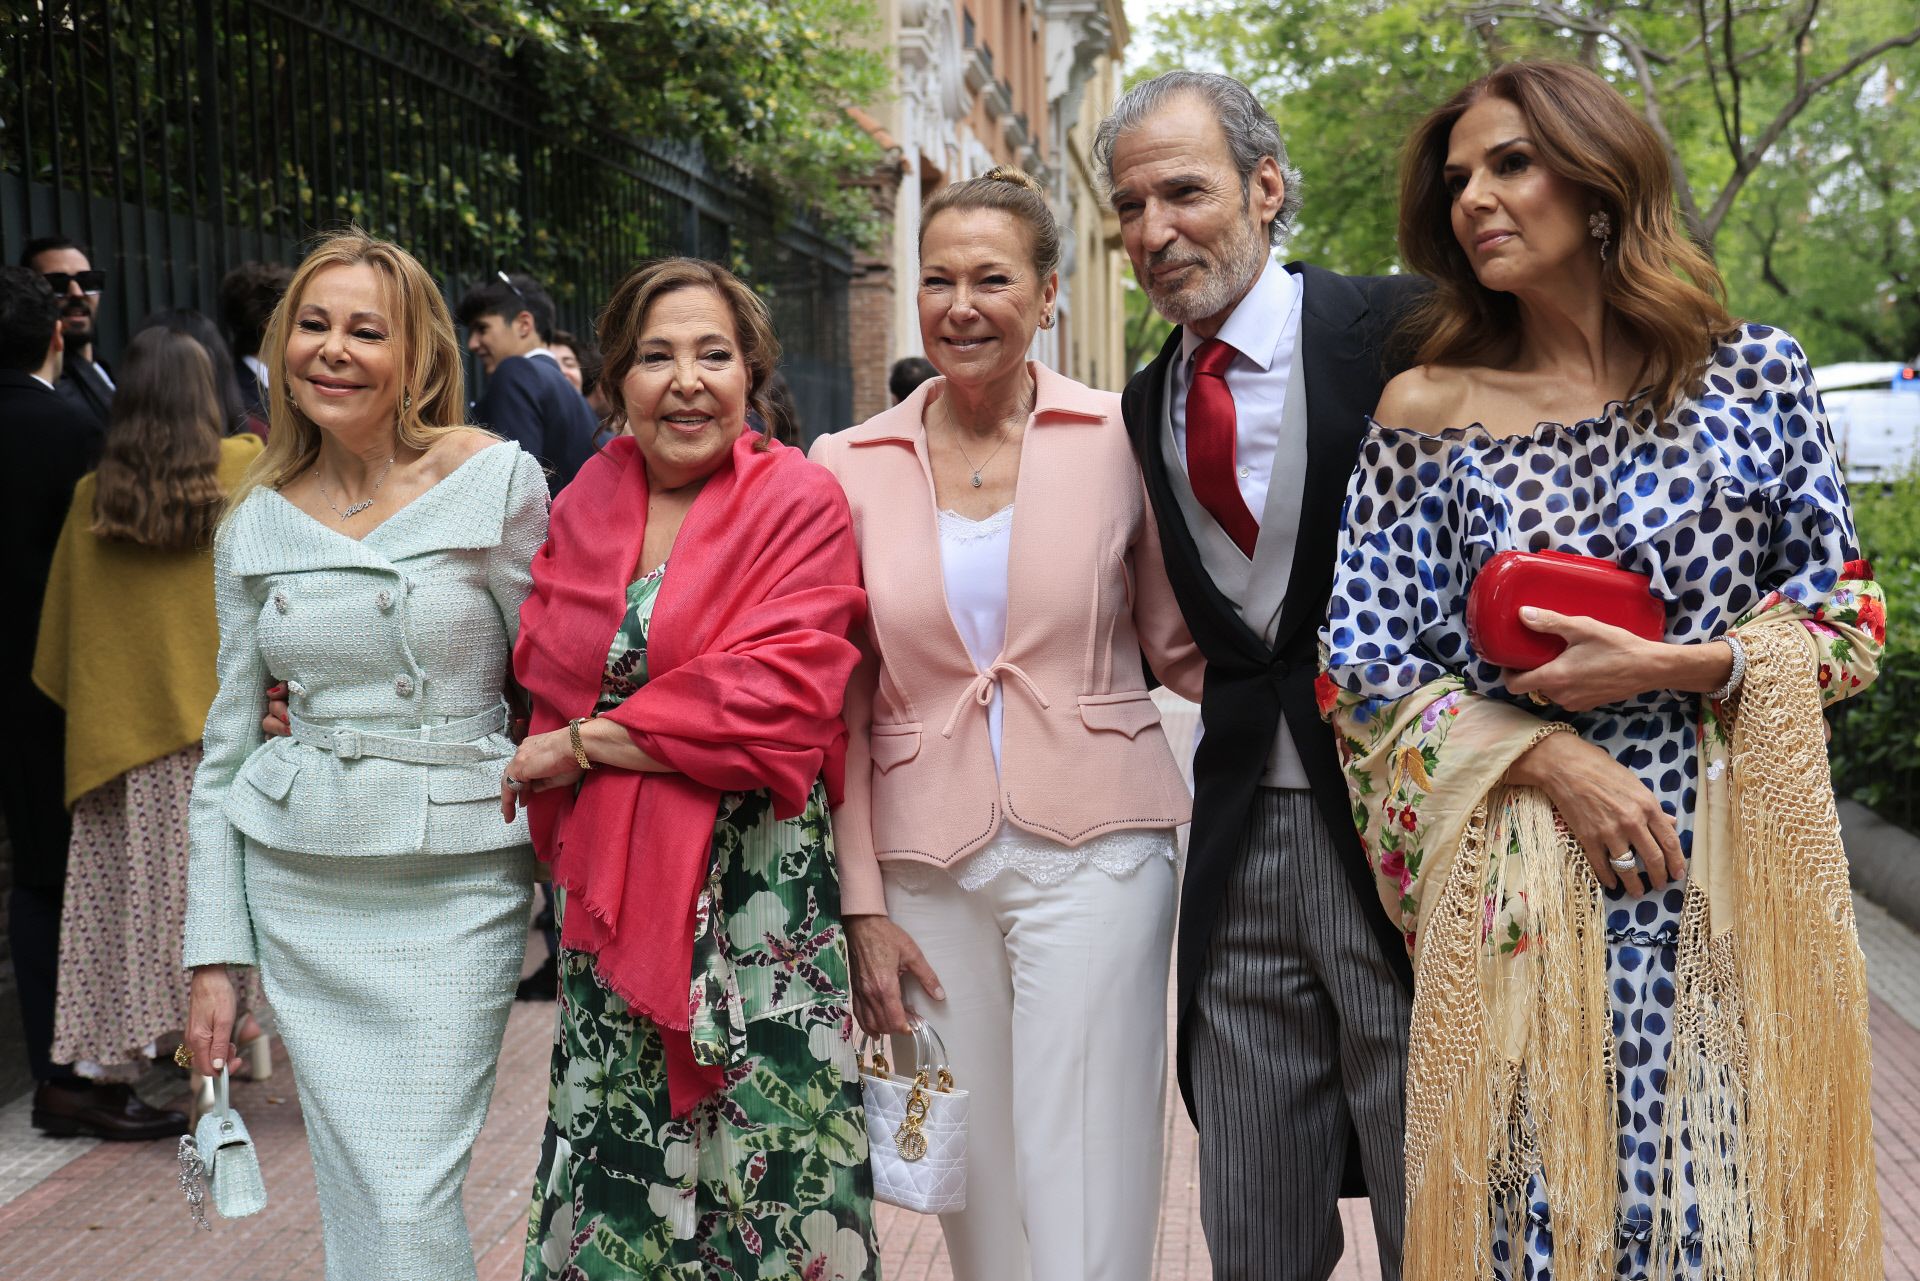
pixel 1893 958
pixel 26 1156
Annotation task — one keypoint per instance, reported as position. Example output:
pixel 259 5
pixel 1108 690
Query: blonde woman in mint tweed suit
pixel 375 561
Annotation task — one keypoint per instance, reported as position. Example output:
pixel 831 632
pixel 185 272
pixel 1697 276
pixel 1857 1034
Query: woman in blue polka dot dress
pixel 1616 412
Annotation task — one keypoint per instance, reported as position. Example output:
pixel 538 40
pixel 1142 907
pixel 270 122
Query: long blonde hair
pixel 432 399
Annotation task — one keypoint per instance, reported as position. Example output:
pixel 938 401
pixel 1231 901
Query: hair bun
pixel 1014 176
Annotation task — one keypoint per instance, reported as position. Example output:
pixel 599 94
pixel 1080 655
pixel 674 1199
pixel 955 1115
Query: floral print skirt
pixel 766 1180
pixel 121 986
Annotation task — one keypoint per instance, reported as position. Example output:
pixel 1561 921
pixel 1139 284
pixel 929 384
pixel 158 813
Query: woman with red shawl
pixel 686 742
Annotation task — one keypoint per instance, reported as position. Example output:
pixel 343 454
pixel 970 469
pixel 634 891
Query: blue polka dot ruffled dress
pixel 1734 493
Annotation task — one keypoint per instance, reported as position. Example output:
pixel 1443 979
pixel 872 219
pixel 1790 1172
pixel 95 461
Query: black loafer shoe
pixel 62 1110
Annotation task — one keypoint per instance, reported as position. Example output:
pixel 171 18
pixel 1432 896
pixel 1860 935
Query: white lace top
pixel 973 568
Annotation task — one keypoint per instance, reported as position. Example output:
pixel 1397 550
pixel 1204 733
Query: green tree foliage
pixel 760 86
pixel 1876 741
pixel 1792 126
pixel 1146 332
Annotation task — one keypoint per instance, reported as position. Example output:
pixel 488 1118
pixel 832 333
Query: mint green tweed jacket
pixel 410 627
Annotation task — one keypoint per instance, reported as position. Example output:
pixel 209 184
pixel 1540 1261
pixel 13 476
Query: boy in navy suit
pixel 509 321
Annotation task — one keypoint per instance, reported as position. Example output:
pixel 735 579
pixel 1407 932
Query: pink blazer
pixel 1082 750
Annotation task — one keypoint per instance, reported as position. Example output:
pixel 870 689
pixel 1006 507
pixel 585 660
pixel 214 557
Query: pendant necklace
pixel 963 449
pixel 356 508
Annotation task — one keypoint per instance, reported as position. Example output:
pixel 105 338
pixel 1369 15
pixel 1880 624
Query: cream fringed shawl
pixel 1510 1063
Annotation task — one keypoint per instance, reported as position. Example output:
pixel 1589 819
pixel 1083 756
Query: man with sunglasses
pixel 509 321
pixel 85 383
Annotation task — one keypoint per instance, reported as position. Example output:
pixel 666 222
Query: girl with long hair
pixel 133 571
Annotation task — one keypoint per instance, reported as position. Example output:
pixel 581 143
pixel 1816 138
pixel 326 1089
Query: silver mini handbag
pixel 916 1128
pixel 219 1157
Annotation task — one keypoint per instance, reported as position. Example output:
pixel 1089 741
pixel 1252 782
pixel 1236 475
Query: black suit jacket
pixel 82 387
pixel 46 446
pixel 1346 325
pixel 252 393
pixel 529 400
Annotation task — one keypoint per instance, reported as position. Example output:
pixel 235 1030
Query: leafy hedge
pixel 762 87
pixel 1876 740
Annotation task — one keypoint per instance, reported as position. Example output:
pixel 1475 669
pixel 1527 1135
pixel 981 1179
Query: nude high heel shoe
pixel 258 1053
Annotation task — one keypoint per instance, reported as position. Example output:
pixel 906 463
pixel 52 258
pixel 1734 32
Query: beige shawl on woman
pixel 1510 1066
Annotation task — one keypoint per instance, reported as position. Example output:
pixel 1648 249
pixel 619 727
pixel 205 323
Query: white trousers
pixel 1056 1022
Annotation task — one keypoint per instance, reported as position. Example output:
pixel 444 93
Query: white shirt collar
pixel 258 366
pixel 43 382
pixel 1258 321
pixel 542 351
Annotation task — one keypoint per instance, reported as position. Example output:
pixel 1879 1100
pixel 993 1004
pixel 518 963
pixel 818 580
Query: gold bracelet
pixel 579 748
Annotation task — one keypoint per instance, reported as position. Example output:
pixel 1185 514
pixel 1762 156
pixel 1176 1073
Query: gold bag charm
pixel 908 1139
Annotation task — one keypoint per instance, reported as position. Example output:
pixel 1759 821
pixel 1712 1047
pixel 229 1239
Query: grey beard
pixel 1239 267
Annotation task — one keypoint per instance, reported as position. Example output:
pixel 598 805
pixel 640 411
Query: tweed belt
pixel 450 744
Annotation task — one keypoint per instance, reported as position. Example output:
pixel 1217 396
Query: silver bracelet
pixel 1737 675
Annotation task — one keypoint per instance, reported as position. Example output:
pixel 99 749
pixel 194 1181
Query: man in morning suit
pixel 84 381
pixel 46 445
pixel 509 322
pixel 1293 987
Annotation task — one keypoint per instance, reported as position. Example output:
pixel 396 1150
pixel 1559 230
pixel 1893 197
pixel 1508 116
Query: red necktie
pixel 1210 445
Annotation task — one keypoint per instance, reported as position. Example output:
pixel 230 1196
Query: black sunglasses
pixel 90 282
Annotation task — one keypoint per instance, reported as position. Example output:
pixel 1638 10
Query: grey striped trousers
pixel 1299 1030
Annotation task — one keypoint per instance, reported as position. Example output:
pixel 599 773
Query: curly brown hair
pixel 625 317
pixel 158 483
pixel 1663 290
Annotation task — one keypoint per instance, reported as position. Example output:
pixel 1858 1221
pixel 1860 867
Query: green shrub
pixel 1876 738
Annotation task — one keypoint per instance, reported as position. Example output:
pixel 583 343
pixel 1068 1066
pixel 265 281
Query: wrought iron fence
pixel 180 137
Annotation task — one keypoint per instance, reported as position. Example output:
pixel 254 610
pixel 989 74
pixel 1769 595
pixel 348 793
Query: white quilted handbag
pixel 916 1128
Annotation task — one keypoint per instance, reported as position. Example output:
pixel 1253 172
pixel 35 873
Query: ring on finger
pixel 1539 699
pixel 512 782
pixel 182 1056
pixel 1623 864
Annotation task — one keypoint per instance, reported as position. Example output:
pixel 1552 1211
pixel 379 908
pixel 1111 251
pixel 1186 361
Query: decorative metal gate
pixel 179 137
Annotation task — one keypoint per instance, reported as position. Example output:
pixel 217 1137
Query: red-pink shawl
pixel 747 662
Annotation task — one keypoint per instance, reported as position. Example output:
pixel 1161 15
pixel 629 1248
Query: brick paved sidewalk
pixel 72 1210
pixel 113 1211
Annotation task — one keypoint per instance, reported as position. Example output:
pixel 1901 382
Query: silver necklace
pixel 356 508
pixel 963 449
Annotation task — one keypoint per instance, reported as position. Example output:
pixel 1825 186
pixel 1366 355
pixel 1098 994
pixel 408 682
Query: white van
pixel 1874 407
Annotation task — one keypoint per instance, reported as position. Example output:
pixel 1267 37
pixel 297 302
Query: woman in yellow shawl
pixel 1639 1040
pixel 126 647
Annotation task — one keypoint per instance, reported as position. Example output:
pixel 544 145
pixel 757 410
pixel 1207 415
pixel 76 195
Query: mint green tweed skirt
pixel 391 978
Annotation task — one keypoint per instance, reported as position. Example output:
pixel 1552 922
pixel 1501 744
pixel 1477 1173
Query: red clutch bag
pixel 1564 583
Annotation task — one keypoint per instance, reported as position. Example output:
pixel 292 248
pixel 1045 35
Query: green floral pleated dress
pixel 767 1180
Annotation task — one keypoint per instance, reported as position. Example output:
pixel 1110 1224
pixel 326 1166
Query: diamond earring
pixel 1600 227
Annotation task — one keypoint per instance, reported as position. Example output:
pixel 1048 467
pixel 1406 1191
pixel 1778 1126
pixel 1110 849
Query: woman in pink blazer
pixel 1007 838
